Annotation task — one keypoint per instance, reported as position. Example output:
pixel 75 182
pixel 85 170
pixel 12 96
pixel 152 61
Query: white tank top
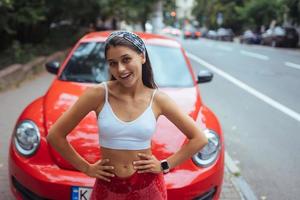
pixel 115 133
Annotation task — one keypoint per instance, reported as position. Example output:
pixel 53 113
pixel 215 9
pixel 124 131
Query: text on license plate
pixel 81 193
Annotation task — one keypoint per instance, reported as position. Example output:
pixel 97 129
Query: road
pixel 255 93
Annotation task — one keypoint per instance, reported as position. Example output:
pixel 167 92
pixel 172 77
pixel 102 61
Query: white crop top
pixel 115 133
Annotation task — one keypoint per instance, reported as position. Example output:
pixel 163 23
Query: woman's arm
pixel 197 139
pixel 66 123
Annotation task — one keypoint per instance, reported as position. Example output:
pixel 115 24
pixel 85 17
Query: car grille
pixel 26 194
pixel 208 195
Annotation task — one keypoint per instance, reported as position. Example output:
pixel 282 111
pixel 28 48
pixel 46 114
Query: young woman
pixel 127 108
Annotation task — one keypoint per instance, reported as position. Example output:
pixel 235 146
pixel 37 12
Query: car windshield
pixel 279 31
pixel 88 64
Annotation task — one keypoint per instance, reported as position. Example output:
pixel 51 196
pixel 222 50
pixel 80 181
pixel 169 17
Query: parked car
pixel 37 171
pixel 249 37
pixel 225 34
pixel 191 32
pixel 280 37
pixel 212 34
pixel 169 30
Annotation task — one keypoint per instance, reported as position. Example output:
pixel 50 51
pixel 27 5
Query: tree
pixel 256 13
pixel 6 31
pixel 22 19
pixel 293 10
pixel 169 6
pixel 206 12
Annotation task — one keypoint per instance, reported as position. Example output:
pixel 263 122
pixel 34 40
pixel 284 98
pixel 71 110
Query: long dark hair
pixel 147 73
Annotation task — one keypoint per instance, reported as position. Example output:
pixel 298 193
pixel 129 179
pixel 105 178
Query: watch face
pixel 165 165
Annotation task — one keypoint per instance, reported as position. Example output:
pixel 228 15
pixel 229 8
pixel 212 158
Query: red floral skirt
pixel 144 186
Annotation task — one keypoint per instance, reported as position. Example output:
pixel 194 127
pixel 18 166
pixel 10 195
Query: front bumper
pixel 206 186
pixel 48 181
pixel 40 178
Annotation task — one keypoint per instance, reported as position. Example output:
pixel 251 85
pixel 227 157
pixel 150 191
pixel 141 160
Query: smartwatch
pixel 165 166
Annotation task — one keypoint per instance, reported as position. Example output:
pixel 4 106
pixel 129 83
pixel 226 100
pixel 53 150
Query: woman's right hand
pixel 99 170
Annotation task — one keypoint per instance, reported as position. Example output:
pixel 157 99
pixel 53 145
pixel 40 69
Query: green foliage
pixel 169 6
pixel 132 11
pixel 77 11
pixel 293 10
pixel 261 12
pixel 240 14
pixel 206 13
pixel 58 38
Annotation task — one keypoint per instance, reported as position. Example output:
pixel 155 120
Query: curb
pixel 238 181
pixel 14 74
pixel 232 167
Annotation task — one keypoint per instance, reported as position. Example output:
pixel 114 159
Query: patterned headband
pixel 129 36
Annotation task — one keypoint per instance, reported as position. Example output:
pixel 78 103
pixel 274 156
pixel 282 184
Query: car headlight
pixel 26 137
pixel 210 152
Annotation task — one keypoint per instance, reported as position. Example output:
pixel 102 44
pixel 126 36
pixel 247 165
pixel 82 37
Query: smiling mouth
pixel 125 76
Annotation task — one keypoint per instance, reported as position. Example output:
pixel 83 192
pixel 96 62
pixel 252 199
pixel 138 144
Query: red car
pixel 37 171
pixel 191 32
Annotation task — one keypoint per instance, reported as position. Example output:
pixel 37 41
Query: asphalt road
pixel 256 95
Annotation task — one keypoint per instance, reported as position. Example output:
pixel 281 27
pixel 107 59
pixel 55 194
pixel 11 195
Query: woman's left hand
pixel 148 163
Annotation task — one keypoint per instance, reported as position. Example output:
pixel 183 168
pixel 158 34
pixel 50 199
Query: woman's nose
pixel 121 67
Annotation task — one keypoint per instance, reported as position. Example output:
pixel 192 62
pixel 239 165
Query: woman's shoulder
pixel 95 93
pixel 162 99
pixel 166 104
pixel 96 90
pixel 161 96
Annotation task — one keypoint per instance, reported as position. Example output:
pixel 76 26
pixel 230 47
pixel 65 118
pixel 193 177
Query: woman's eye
pixel 126 60
pixel 112 64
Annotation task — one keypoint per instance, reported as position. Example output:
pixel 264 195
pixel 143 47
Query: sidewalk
pixel 229 191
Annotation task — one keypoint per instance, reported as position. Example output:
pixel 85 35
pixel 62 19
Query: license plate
pixel 81 193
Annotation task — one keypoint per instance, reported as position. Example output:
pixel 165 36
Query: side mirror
pixel 204 76
pixel 52 67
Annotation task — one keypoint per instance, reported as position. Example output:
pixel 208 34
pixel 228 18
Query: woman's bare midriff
pixel 122 160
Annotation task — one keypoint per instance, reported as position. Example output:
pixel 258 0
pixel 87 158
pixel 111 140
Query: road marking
pixel 254 55
pixel 225 48
pixel 293 65
pixel 247 88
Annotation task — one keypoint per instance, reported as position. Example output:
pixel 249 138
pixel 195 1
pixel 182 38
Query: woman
pixel 127 108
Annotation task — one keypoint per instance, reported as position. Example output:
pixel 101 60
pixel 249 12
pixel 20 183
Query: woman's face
pixel 125 64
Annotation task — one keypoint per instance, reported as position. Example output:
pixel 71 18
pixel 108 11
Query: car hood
pixel 85 137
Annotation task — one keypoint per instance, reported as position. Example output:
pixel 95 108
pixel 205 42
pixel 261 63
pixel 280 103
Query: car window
pixel 291 31
pixel 87 64
pixel 249 33
pixel 279 31
pixel 169 67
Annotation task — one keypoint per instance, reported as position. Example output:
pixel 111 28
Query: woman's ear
pixel 143 58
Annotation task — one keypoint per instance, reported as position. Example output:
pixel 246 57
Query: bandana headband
pixel 129 36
